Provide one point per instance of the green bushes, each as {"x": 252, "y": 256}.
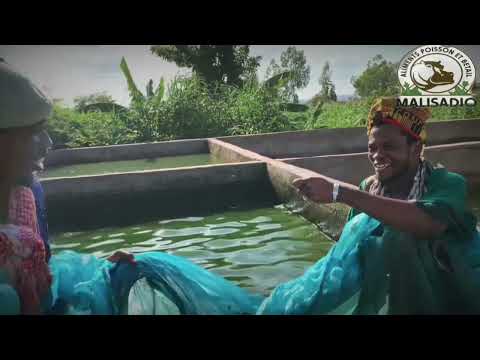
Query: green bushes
{"x": 338, "y": 115}
{"x": 190, "y": 109}
{"x": 457, "y": 113}
{"x": 354, "y": 113}
{"x": 74, "y": 129}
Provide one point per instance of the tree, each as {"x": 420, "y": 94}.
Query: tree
{"x": 332, "y": 95}
{"x": 327, "y": 87}
{"x": 294, "y": 61}
{"x": 379, "y": 79}
{"x": 228, "y": 64}
{"x": 275, "y": 86}
{"x": 81, "y": 103}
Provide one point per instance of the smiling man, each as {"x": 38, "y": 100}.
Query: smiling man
{"x": 420, "y": 253}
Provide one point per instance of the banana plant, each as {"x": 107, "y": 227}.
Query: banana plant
{"x": 275, "y": 83}
{"x": 150, "y": 92}
{"x": 137, "y": 95}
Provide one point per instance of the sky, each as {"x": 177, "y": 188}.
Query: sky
{"x": 67, "y": 71}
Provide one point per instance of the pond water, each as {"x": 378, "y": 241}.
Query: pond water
{"x": 129, "y": 165}
{"x": 256, "y": 249}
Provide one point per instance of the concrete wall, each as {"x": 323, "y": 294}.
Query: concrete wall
{"x": 104, "y": 200}
{"x": 335, "y": 166}
{"x": 303, "y": 143}
{"x": 353, "y": 168}
{"x": 231, "y": 153}
{"x": 345, "y": 141}
{"x": 330, "y": 218}
{"x": 126, "y": 152}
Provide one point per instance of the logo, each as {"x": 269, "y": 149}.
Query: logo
{"x": 435, "y": 75}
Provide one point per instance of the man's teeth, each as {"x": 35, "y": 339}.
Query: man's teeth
{"x": 382, "y": 166}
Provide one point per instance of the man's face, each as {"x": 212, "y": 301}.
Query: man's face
{"x": 390, "y": 154}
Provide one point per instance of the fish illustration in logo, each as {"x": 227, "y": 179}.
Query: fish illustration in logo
{"x": 427, "y": 75}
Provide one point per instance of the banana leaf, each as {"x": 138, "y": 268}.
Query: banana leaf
{"x": 135, "y": 94}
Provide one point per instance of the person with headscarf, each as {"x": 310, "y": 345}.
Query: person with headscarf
{"x": 24, "y": 274}
{"x": 26, "y": 282}
{"x": 73, "y": 283}
{"x": 412, "y": 239}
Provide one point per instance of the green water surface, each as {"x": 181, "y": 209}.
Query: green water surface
{"x": 256, "y": 249}
{"x": 129, "y": 165}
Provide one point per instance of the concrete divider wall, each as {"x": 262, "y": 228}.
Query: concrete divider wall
{"x": 303, "y": 143}
{"x": 334, "y": 166}
{"x": 459, "y": 158}
{"x": 345, "y": 141}
{"x": 126, "y": 152}
{"x": 156, "y": 180}
{"x": 226, "y": 152}
{"x": 329, "y": 218}
{"x": 127, "y": 198}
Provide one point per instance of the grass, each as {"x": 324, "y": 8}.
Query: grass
{"x": 354, "y": 114}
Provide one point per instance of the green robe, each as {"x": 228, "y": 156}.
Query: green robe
{"x": 426, "y": 276}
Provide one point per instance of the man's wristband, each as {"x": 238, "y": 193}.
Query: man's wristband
{"x": 336, "y": 188}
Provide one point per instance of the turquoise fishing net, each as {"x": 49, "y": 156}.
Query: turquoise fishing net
{"x": 161, "y": 283}
{"x": 371, "y": 270}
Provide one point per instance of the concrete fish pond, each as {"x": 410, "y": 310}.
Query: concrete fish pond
{"x": 233, "y": 208}
{"x": 257, "y": 249}
{"x": 112, "y": 167}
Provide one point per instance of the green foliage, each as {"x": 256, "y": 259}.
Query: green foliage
{"x": 150, "y": 89}
{"x": 82, "y": 103}
{"x": 189, "y": 108}
{"x": 160, "y": 90}
{"x": 354, "y": 114}
{"x": 254, "y": 110}
{"x": 335, "y": 115}
{"x": 327, "y": 92}
{"x": 227, "y": 64}
{"x": 194, "y": 109}
{"x": 72, "y": 128}
{"x": 410, "y": 90}
{"x": 461, "y": 90}
{"x": 104, "y": 107}
{"x": 457, "y": 113}
{"x": 379, "y": 79}
{"x": 135, "y": 94}
{"x": 292, "y": 107}
{"x": 277, "y": 81}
